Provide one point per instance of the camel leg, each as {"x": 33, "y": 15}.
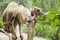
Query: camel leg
{"x": 21, "y": 33}
{"x": 14, "y": 37}
{"x": 20, "y": 30}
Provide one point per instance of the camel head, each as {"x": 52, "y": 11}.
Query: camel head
{"x": 37, "y": 11}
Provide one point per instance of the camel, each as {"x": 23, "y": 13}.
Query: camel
{"x": 15, "y": 15}
{"x": 31, "y": 24}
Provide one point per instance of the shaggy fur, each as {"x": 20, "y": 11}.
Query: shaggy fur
{"x": 31, "y": 24}
{"x": 20, "y": 14}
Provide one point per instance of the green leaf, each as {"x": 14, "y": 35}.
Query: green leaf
{"x": 55, "y": 22}
{"x": 58, "y": 12}
{"x": 48, "y": 16}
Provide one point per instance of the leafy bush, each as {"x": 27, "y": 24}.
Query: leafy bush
{"x": 45, "y": 30}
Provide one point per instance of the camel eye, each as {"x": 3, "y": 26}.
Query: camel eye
{"x": 32, "y": 13}
{"x": 38, "y": 10}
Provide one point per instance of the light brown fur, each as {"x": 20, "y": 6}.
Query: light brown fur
{"x": 31, "y": 24}
{"x": 21, "y": 15}
{"x": 12, "y": 10}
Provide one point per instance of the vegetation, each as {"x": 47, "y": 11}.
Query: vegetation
{"x": 1, "y": 23}
{"x": 48, "y": 25}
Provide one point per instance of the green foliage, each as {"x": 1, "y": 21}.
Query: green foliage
{"x": 1, "y": 23}
{"x": 45, "y": 30}
{"x": 24, "y": 28}
{"x": 26, "y": 3}
{"x": 54, "y": 16}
